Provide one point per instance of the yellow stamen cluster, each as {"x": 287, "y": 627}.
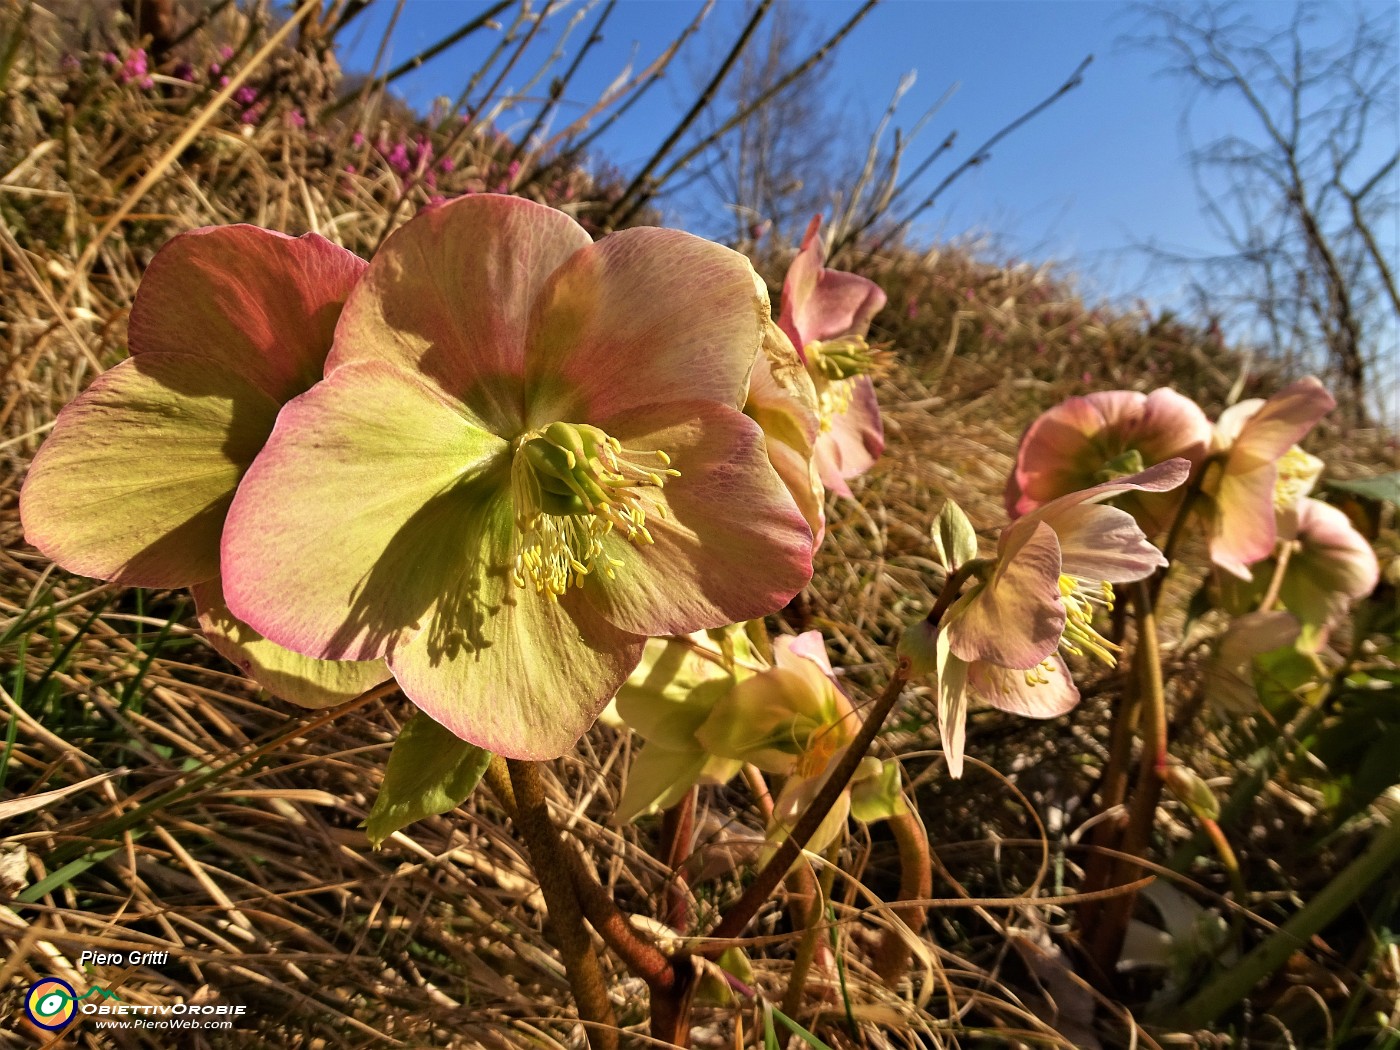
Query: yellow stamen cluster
{"x": 834, "y": 365}
{"x": 834, "y": 399}
{"x": 845, "y": 358}
{"x": 1040, "y": 673}
{"x": 572, "y": 485}
{"x": 1297, "y": 474}
{"x": 1080, "y": 637}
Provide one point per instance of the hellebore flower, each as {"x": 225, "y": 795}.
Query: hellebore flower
{"x": 793, "y": 720}
{"x": 1262, "y": 471}
{"x": 1100, "y": 437}
{"x": 1054, "y": 568}
{"x": 665, "y": 701}
{"x": 708, "y": 704}
{"x": 1329, "y": 566}
{"x": 526, "y": 457}
{"x": 826, "y": 314}
{"x": 134, "y": 481}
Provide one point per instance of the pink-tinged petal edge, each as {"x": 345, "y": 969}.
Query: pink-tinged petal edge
{"x": 820, "y": 304}
{"x": 644, "y": 316}
{"x": 259, "y": 303}
{"x": 854, "y": 442}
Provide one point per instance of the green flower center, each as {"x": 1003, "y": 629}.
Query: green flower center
{"x": 1120, "y": 466}
{"x": 1081, "y": 598}
{"x": 571, "y": 485}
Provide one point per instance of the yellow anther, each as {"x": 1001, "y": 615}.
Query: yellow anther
{"x": 1080, "y": 635}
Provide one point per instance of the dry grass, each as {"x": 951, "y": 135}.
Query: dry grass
{"x": 226, "y": 828}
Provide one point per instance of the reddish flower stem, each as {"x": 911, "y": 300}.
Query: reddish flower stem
{"x": 565, "y": 923}
{"x": 1106, "y": 938}
{"x": 761, "y": 889}
{"x": 677, "y": 838}
{"x": 915, "y": 883}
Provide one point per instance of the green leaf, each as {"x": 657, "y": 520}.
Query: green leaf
{"x": 431, "y": 770}
{"x": 954, "y": 538}
{"x": 1383, "y": 487}
{"x": 797, "y": 1030}
{"x": 1281, "y": 675}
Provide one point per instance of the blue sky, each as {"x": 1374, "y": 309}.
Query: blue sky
{"x": 1100, "y": 172}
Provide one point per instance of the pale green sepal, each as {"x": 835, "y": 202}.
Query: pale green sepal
{"x": 952, "y": 703}
{"x": 670, "y": 694}
{"x": 877, "y": 794}
{"x": 430, "y": 771}
{"x": 659, "y": 777}
{"x": 954, "y": 538}
{"x": 304, "y": 680}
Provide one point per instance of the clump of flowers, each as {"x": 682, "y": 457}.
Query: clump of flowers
{"x": 532, "y": 450}
{"x": 1054, "y": 569}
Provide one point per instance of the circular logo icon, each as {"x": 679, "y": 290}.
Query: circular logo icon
{"x": 50, "y": 1003}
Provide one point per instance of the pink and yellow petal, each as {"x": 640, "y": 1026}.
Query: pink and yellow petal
{"x": 1242, "y": 522}
{"x": 1046, "y": 691}
{"x": 258, "y": 303}
{"x": 352, "y": 521}
{"x": 134, "y": 481}
{"x": 301, "y": 679}
{"x": 501, "y": 666}
{"x": 644, "y": 316}
{"x": 1016, "y": 617}
{"x": 450, "y": 295}
{"x": 854, "y": 439}
{"x": 727, "y": 513}
{"x": 820, "y": 304}
{"x": 1104, "y": 543}
{"x": 1264, "y": 432}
